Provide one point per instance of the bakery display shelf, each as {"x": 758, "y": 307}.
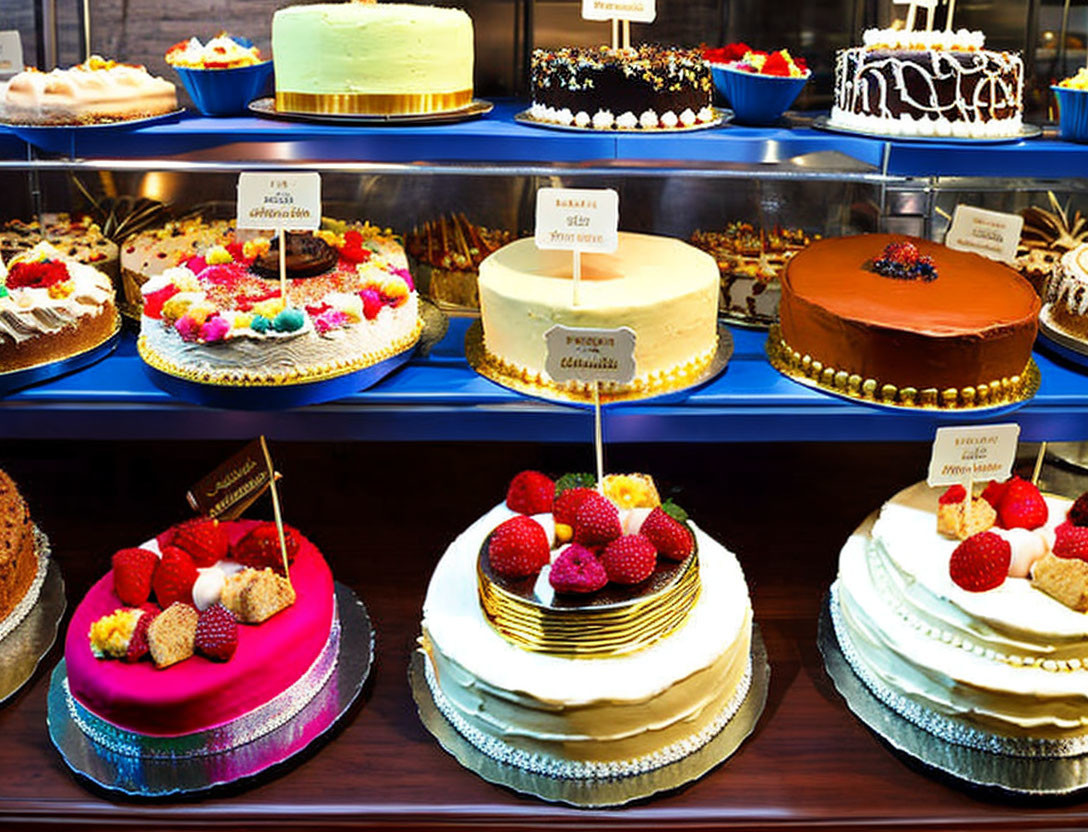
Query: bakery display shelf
{"x": 440, "y": 398}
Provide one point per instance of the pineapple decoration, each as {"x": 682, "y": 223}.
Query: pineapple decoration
{"x": 1047, "y": 235}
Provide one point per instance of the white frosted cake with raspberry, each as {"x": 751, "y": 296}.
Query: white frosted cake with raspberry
{"x": 970, "y": 621}
{"x": 586, "y": 633}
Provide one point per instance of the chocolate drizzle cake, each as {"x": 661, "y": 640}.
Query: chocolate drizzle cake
{"x": 648, "y": 87}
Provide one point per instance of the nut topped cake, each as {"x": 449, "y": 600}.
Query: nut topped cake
{"x": 18, "y": 554}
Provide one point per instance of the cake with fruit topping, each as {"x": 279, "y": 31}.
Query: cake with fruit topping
{"x": 965, "y": 614}
{"x": 199, "y": 640}
{"x": 641, "y": 88}
{"x": 73, "y": 235}
{"x": 905, "y": 321}
{"x": 587, "y": 632}
{"x": 219, "y": 317}
{"x": 52, "y": 307}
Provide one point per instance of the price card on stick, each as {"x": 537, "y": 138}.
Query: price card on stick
{"x": 280, "y": 202}
{"x": 964, "y": 454}
{"x": 640, "y": 11}
{"x": 577, "y": 220}
{"x": 11, "y": 52}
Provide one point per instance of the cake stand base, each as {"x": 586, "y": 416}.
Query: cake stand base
{"x": 22, "y": 650}
{"x": 16, "y": 379}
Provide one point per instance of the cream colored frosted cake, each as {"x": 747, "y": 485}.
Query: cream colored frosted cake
{"x": 372, "y": 58}
{"x": 976, "y": 634}
{"x": 662, "y": 288}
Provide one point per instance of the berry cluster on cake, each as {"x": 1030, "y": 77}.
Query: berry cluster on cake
{"x": 965, "y": 614}
{"x": 587, "y": 632}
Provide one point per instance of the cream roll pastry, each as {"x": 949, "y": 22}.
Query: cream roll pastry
{"x": 967, "y": 617}
{"x": 586, "y": 633}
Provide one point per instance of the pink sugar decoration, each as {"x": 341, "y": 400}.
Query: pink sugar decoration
{"x": 187, "y": 328}
{"x": 333, "y": 319}
{"x": 195, "y": 264}
{"x": 407, "y": 275}
{"x": 214, "y": 329}
{"x": 372, "y": 303}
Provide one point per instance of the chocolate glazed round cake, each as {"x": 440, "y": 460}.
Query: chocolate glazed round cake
{"x": 907, "y": 321}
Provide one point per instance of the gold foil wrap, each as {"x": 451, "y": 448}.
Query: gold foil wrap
{"x": 590, "y": 632}
{"x": 377, "y": 104}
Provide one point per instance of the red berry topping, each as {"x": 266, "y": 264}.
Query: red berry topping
{"x": 261, "y": 547}
{"x": 1078, "y": 512}
{"x": 37, "y": 275}
{"x": 629, "y": 559}
{"x": 137, "y": 645}
{"x": 596, "y": 521}
{"x": 530, "y": 492}
{"x": 216, "y": 633}
{"x": 566, "y": 504}
{"x": 953, "y": 495}
{"x": 353, "y": 249}
{"x": 204, "y": 539}
{"x": 981, "y": 562}
{"x": 577, "y": 570}
{"x": 670, "y": 537}
{"x": 1021, "y": 506}
{"x": 1071, "y": 541}
{"x": 174, "y": 577}
{"x": 776, "y": 64}
{"x": 727, "y": 54}
{"x": 132, "y": 571}
{"x": 518, "y": 548}
{"x": 153, "y": 301}
{"x": 993, "y": 492}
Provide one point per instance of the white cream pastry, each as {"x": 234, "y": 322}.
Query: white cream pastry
{"x": 662, "y": 288}
{"x": 1067, "y": 293}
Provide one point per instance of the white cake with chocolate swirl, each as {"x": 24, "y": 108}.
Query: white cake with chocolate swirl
{"x": 1067, "y": 294}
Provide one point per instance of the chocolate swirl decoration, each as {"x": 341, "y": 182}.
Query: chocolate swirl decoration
{"x": 307, "y": 256}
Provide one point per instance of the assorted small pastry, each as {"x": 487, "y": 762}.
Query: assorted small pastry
{"x": 445, "y": 255}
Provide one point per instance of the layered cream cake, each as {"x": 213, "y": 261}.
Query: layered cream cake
{"x": 662, "y": 288}
{"x": 375, "y": 58}
{"x": 585, "y": 691}
{"x": 96, "y": 91}
{"x": 913, "y": 83}
{"x": 1067, "y": 293}
{"x": 976, "y": 639}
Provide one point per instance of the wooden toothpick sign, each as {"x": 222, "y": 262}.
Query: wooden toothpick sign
{"x": 963, "y": 455}
{"x": 621, "y": 13}
{"x": 577, "y": 220}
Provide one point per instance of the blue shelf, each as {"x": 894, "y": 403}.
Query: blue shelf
{"x": 439, "y": 398}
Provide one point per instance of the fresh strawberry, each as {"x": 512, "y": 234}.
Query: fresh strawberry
{"x": 518, "y": 548}
{"x": 577, "y": 570}
{"x": 216, "y": 633}
{"x": 203, "y": 538}
{"x": 1071, "y": 541}
{"x": 993, "y": 492}
{"x": 530, "y": 492}
{"x": 955, "y": 494}
{"x": 1078, "y": 512}
{"x": 596, "y": 521}
{"x": 1021, "y": 506}
{"x": 137, "y": 645}
{"x": 174, "y": 577}
{"x": 981, "y": 562}
{"x": 261, "y": 547}
{"x": 671, "y": 539}
{"x": 629, "y": 559}
{"x": 132, "y": 571}
{"x": 566, "y": 504}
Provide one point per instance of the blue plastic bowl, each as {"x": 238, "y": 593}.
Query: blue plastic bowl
{"x": 225, "y": 92}
{"x": 754, "y": 98}
{"x": 1072, "y": 113}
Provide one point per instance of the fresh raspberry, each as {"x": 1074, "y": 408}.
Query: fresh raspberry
{"x": 132, "y": 571}
{"x": 629, "y": 559}
{"x": 204, "y": 539}
{"x": 596, "y": 521}
{"x": 993, "y": 492}
{"x": 137, "y": 645}
{"x": 530, "y": 492}
{"x": 518, "y": 548}
{"x": 1071, "y": 541}
{"x": 261, "y": 547}
{"x": 776, "y": 64}
{"x": 1078, "y": 512}
{"x": 902, "y": 252}
{"x": 372, "y": 303}
{"x": 671, "y": 539}
{"x": 577, "y": 570}
{"x": 953, "y": 495}
{"x": 566, "y": 504}
{"x": 174, "y": 577}
{"x": 981, "y": 562}
{"x": 1021, "y": 506}
{"x": 216, "y": 633}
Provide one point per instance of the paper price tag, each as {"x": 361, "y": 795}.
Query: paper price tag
{"x": 578, "y": 219}
{"x": 584, "y": 354}
{"x": 279, "y": 200}
{"x": 973, "y": 453}
{"x": 989, "y": 233}
{"x": 639, "y": 11}
{"x": 11, "y": 52}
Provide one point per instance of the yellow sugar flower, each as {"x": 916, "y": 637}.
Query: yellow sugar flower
{"x": 111, "y": 634}
{"x": 252, "y": 249}
{"x": 268, "y": 308}
{"x": 176, "y": 307}
{"x": 242, "y": 320}
{"x": 59, "y": 291}
{"x": 631, "y": 491}
{"x": 217, "y": 256}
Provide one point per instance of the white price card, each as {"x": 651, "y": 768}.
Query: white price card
{"x": 989, "y": 233}
{"x": 279, "y": 200}
{"x": 639, "y": 11}
{"x": 588, "y": 355}
{"x": 11, "y": 52}
{"x": 982, "y": 452}
{"x": 578, "y": 219}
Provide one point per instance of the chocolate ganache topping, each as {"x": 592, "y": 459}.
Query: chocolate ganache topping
{"x": 307, "y": 256}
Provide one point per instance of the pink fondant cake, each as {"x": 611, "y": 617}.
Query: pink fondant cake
{"x": 199, "y": 693}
